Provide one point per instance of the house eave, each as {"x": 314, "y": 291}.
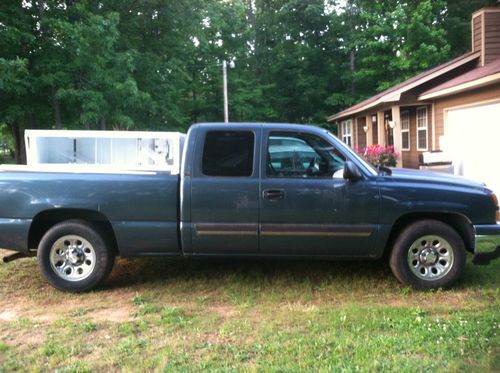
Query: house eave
{"x": 381, "y": 101}
{"x": 395, "y": 96}
{"x": 464, "y": 87}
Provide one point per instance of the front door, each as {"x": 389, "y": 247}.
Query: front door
{"x": 307, "y": 208}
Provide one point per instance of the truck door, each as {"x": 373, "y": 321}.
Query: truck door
{"x": 225, "y": 191}
{"x": 307, "y": 208}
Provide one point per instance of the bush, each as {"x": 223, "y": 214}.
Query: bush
{"x": 378, "y": 155}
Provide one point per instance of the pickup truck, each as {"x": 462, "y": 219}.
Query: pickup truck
{"x": 249, "y": 190}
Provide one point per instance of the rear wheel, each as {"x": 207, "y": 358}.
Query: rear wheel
{"x": 428, "y": 254}
{"x": 74, "y": 256}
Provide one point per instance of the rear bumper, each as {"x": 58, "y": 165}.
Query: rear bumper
{"x": 487, "y": 247}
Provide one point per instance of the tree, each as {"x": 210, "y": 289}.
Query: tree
{"x": 156, "y": 64}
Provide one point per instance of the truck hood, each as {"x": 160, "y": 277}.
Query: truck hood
{"x": 407, "y": 175}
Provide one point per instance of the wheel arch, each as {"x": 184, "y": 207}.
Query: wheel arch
{"x": 460, "y": 223}
{"x": 46, "y": 219}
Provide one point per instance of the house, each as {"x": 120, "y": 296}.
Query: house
{"x": 454, "y": 108}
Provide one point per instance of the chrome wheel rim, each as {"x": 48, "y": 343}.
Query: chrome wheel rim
{"x": 72, "y": 258}
{"x": 430, "y": 258}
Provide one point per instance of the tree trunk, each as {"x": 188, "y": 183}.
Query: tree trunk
{"x": 17, "y": 130}
{"x": 103, "y": 123}
{"x": 56, "y": 104}
{"x": 353, "y": 70}
{"x": 195, "y": 104}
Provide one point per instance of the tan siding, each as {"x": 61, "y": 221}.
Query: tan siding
{"x": 464, "y": 99}
{"x": 361, "y": 138}
{"x": 476, "y": 33}
{"x": 491, "y": 36}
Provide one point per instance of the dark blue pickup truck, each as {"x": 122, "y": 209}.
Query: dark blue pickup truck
{"x": 247, "y": 190}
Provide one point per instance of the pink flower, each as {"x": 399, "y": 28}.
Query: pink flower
{"x": 379, "y": 155}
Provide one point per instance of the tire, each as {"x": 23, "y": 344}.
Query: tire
{"x": 74, "y": 256}
{"x": 428, "y": 254}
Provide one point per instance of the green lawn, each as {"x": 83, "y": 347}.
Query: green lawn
{"x": 258, "y": 315}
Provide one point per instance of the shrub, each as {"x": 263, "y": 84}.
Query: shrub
{"x": 379, "y": 155}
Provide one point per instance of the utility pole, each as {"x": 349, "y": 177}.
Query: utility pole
{"x": 224, "y": 83}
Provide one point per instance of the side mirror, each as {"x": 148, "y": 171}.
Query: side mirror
{"x": 351, "y": 172}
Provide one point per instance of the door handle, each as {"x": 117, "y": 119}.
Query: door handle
{"x": 274, "y": 194}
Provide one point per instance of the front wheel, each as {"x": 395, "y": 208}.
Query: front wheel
{"x": 428, "y": 254}
{"x": 73, "y": 256}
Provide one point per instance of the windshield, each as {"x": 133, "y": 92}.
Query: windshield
{"x": 369, "y": 167}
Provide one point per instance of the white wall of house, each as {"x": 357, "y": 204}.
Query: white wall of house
{"x": 472, "y": 139}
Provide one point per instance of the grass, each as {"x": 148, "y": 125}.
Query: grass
{"x": 250, "y": 316}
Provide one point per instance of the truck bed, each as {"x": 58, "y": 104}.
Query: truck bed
{"x": 141, "y": 206}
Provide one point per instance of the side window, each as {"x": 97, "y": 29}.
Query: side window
{"x": 302, "y": 155}
{"x": 228, "y": 153}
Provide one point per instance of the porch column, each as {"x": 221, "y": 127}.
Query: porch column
{"x": 369, "y": 133}
{"x": 396, "y": 117}
{"x": 381, "y": 128}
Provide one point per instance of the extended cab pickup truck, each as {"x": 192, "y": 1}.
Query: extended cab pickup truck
{"x": 246, "y": 190}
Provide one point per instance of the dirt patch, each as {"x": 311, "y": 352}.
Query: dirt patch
{"x": 114, "y": 307}
{"x": 223, "y": 311}
{"x": 34, "y": 337}
{"x": 9, "y": 315}
{"x": 120, "y": 314}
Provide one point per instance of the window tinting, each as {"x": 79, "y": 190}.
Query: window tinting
{"x": 228, "y": 153}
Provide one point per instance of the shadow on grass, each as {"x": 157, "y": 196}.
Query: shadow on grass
{"x": 259, "y": 273}
{"x": 192, "y": 277}
{"x": 250, "y": 272}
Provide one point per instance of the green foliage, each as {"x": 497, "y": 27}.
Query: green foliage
{"x": 50, "y": 348}
{"x": 88, "y": 326}
{"x": 157, "y": 64}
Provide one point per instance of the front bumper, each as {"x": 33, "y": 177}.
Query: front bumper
{"x": 487, "y": 247}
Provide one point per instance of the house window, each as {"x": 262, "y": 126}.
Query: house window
{"x": 347, "y": 132}
{"x": 405, "y": 130}
{"x": 422, "y": 128}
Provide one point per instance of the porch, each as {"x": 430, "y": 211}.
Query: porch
{"x": 409, "y": 128}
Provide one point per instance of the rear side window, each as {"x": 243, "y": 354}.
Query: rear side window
{"x": 228, "y": 153}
